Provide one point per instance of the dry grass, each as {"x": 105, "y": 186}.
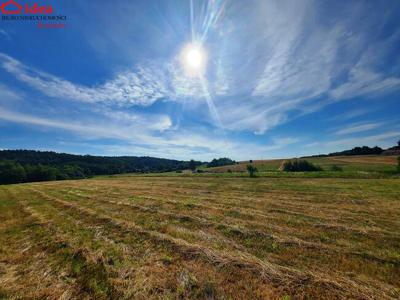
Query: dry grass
{"x": 356, "y": 162}
{"x": 367, "y": 159}
{"x": 201, "y": 238}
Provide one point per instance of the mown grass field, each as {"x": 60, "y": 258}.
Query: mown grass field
{"x": 353, "y": 166}
{"x": 201, "y": 237}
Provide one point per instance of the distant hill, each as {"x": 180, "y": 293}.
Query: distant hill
{"x": 28, "y": 165}
{"x": 351, "y": 163}
{"x": 392, "y": 151}
{"x": 364, "y": 150}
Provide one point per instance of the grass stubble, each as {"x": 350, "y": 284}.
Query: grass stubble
{"x": 199, "y": 237}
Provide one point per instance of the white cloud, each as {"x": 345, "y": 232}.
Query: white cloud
{"x": 306, "y": 64}
{"x": 143, "y": 87}
{"x": 162, "y": 123}
{"x": 148, "y": 122}
{"x": 287, "y": 61}
{"x": 355, "y": 128}
{"x": 365, "y": 82}
{"x": 6, "y": 94}
{"x": 347, "y": 115}
{"x": 181, "y": 144}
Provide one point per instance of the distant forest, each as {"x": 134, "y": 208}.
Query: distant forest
{"x": 18, "y": 166}
{"x": 365, "y": 150}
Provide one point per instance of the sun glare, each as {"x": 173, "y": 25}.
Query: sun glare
{"x": 193, "y": 59}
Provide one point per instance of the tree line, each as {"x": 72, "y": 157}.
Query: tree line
{"x": 28, "y": 166}
{"x": 364, "y": 150}
{"x": 224, "y": 161}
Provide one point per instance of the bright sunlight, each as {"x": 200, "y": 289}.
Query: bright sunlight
{"x": 193, "y": 59}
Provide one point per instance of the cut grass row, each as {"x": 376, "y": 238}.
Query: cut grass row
{"x": 146, "y": 264}
{"x": 257, "y": 242}
{"x": 264, "y": 270}
{"x": 147, "y": 237}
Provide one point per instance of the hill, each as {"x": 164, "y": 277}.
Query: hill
{"x": 364, "y": 150}
{"x": 27, "y": 165}
{"x": 354, "y": 163}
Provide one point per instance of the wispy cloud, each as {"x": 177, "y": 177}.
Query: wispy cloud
{"x": 365, "y": 82}
{"x": 174, "y": 144}
{"x": 347, "y": 115}
{"x": 143, "y": 87}
{"x": 146, "y": 121}
{"x": 355, "y": 128}
{"x": 269, "y": 63}
{"x": 5, "y": 33}
{"x": 305, "y": 64}
{"x": 7, "y": 94}
{"x": 288, "y": 69}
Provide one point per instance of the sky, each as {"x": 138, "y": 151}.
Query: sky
{"x": 279, "y": 78}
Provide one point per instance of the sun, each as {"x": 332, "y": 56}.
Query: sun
{"x": 194, "y": 59}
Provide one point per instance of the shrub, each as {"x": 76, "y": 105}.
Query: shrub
{"x": 336, "y": 168}
{"x": 298, "y": 165}
{"x": 251, "y": 170}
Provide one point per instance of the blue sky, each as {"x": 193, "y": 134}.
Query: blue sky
{"x": 281, "y": 79}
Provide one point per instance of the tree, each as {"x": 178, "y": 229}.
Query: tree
{"x": 41, "y": 173}
{"x": 364, "y": 150}
{"x": 11, "y": 172}
{"x": 42, "y": 166}
{"x": 92, "y": 165}
{"x": 192, "y": 165}
{"x": 251, "y": 170}
{"x": 224, "y": 161}
{"x": 398, "y": 143}
{"x": 73, "y": 171}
